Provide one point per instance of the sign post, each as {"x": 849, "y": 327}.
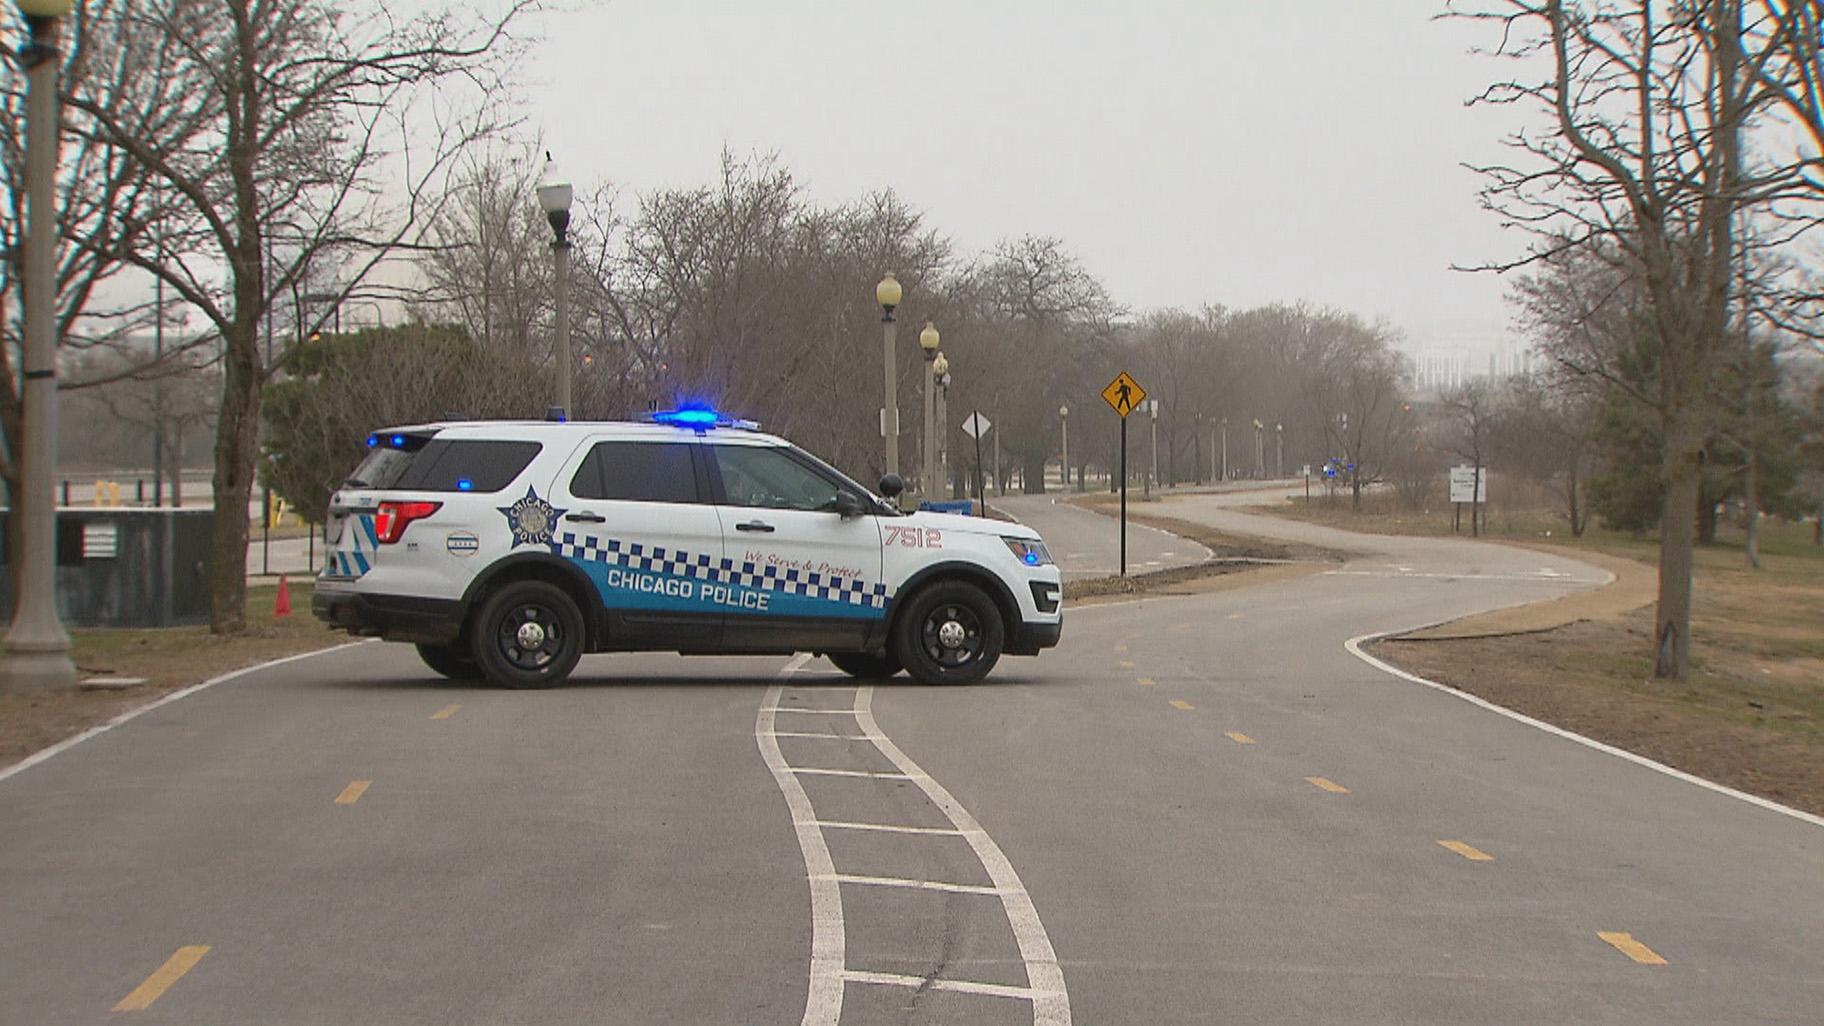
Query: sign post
{"x": 1124, "y": 395}
{"x": 1468, "y": 484}
{"x": 977, "y": 426}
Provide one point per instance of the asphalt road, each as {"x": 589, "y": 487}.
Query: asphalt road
{"x": 1085, "y": 544}
{"x": 1198, "y": 809}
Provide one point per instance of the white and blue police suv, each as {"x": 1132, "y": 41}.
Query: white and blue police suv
{"x": 507, "y": 550}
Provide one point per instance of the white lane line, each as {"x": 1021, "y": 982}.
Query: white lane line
{"x": 68, "y": 743}
{"x": 916, "y": 885}
{"x": 776, "y": 708}
{"x": 1354, "y": 645}
{"x": 955, "y": 986}
{"x": 868, "y": 774}
{"x": 837, "y": 824}
{"x": 1051, "y": 1003}
{"x": 825, "y": 737}
{"x": 823, "y": 1000}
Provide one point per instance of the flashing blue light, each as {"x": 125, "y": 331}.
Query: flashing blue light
{"x": 688, "y": 417}
{"x": 1031, "y": 557}
{"x": 373, "y": 440}
{"x": 398, "y": 441}
{"x": 463, "y": 484}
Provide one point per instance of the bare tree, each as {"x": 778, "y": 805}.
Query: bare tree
{"x": 327, "y": 136}
{"x": 1645, "y": 159}
{"x": 1472, "y": 411}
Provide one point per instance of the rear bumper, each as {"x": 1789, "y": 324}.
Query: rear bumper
{"x": 393, "y": 617}
{"x": 1030, "y": 638}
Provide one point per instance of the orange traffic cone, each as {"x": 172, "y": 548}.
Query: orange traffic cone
{"x": 281, "y": 606}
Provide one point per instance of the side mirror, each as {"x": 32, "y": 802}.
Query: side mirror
{"x": 848, "y": 505}
{"x": 891, "y": 485}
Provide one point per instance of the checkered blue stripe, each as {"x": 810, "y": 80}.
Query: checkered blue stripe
{"x": 697, "y": 566}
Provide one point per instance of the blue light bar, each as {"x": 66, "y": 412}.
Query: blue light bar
{"x": 398, "y": 441}
{"x": 464, "y": 484}
{"x": 373, "y": 440}
{"x": 688, "y": 418}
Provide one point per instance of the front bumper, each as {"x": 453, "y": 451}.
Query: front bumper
{"x": 426, "y": 621}
{"x": 1030, "y": 638}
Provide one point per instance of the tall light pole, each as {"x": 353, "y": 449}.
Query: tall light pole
{"x": 1260, "y": 450}
{"x": 940, "y": 369}
{"x": 1152, "y": 407}
{"x": 554, "y": 196}
{"x": 927, "y": 344}
{"x": 1225, "y": 448}
{"x": 1064, "y": 425}
{"x": 1279, "y": 449}
{"x": 37, "y": 647}
{"x": 888, "y": 294}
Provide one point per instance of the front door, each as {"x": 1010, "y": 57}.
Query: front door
{"x": 633, "y": 516}
{"x": 807, "y": 578}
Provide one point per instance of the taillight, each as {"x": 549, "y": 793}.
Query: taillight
{"x": 392, "y": 518}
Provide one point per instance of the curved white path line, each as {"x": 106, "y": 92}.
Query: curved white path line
{"x": 140, "y": 710}
{"x": 823, "y": 1003}
{"x": 1050, "y": 1001}
{"x": 1354, "y": 645}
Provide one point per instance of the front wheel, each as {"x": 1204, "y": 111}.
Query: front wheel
{"x": 450, "y": 661}
{"x": 951, "y": 634}
{"x": 529, "y": 634}
{"x": 865, "y": 665}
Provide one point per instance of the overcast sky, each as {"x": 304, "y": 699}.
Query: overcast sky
{"x": 1230, "y": 151}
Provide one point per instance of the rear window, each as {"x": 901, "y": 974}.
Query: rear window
{"x": 446, "y": 466}
{"x": 637, "y": 472}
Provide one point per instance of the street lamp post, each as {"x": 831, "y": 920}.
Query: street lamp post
{"x": 1279, "y": 449}
{"x": 1260, "y": 450}
{"x": 1064, "y": 425}
{"x": 554, "y": 197}
{"x": 940, "y": 368}
{"x": 927, "y": 344}
{"x": 888, "y": 294}
{"x": 1225, "y": 448}
{"x": 37, "y": 647}
{"x": 1152, "y": 407}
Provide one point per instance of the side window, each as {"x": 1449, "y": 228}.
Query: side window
{"x": 769, "y": 479}
{"x": 637, "y": 472}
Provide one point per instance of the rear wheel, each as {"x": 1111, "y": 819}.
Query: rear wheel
{"x": 451, "y": 661}
{"x": 951, "y": 634}
{"x": 529, "y": 634}
{"x": 865, "y": 665}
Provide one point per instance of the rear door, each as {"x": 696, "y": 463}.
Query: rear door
{"x": 633, "y": 517}
{"x": 802, "y": 576}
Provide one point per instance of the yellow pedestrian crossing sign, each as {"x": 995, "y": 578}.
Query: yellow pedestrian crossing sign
{"x": 1124, "y": 394}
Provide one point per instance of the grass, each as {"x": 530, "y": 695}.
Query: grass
{"x": 169, "y": 658}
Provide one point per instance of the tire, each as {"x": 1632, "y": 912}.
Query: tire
{"x": 866, "y": 665}
{"x": 950, "y": 634}
{"x": 512, "y": 656}
{"x": 451, "y": 661}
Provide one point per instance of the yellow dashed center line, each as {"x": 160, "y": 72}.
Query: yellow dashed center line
{"x": 162, "y": 978}
{"x": 1238, "y": 737}
{"x": 1146, "y": 682}
{"x": 1179, "y": 703}
{"x": 353, "y": 792}
{"x": 445, "y": 713}
{"x": 1627, "y": 945}
{"x": 1325, "y": 783}
{"x": 1469, "y": 852}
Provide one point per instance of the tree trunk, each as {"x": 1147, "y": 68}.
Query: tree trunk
{"x": 1706, "y": 517}
{"x": 1751, "y": 509}
{"x": 236, "y": 449}
{"x": 1032, "y": 475}
{"x": 1677, "y": 530}
{"x": 175, "y": 457}
{"x": 1576, "y": 524}
{"x": 1355, "y": 495}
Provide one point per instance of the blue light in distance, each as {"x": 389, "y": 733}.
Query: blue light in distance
{"x": 373, "y": 440}
{"x": 398, "y": 441}
{"x": 463, "y": 484}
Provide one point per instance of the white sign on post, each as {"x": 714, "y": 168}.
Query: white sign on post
{"x": 1468, "y": 484}
{"x": 977, "y": 425}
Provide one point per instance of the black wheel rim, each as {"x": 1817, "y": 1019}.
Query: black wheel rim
{"x": 951, "y": 635}
{"x": 531, "y": 637}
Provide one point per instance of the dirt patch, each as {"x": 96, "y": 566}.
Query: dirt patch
{"x": 1636, "y": 584}
{"x": 169, "y": 659}
{"x": 1222, "y": 544}
{"x": 1757, "y": 732}
{"x": 1185, "y": 580}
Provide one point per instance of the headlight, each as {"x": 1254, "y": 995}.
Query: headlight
{"x": 1031, "y": 553}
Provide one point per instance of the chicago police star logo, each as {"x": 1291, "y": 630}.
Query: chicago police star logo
{"x": 532, "y": 520}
